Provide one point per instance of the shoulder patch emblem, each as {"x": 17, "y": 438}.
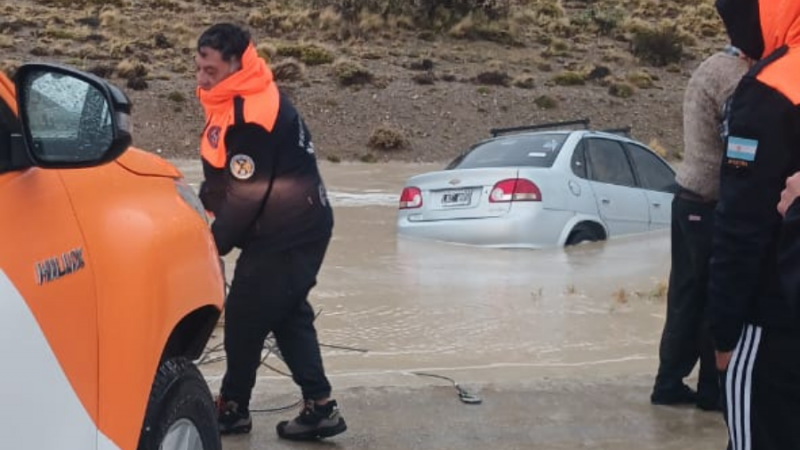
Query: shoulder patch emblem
{"x": 213, "y": 136}
{"x": 741, "y": 151}
{"x": 242, "y": 167}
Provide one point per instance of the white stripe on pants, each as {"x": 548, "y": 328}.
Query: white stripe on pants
{"x": 738, "y": 388}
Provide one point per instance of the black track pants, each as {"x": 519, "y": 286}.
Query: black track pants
{"x": 269, "y": 293}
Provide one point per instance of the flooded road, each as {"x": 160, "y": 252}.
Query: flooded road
{"x": 389, "y": 308}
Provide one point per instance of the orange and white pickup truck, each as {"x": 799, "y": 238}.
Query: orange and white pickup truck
{"x": 110, "y": 283}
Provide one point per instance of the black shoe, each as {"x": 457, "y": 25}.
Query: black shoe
{"x": 709, "y": 402}
{"x": 232, "y": 419}
{"x": 683, "y": 395}
{"x": 314, "y": 422}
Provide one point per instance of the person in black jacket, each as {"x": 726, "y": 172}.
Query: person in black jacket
{"x": 263, "y": 187}
{"x": 753, "y": 273}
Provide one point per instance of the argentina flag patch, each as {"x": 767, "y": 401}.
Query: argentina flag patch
{"x": 741, "y": 152}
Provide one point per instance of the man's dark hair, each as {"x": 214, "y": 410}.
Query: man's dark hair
{"x": 228, "y": 39}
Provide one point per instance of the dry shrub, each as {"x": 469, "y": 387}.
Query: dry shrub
{"x": 525, "y": 82}
{"x": 387, "y": 138}
{"x": 351, "y": 73}
{"x": 570, "y": 78}
{"x": 476, "y": 26}
{"x": 129, "y": 69}
{"x": 641, "y": 79}
{"x": 424, "y": 78}
{"x": 9, "y": 67}
{"x": 621, "y": 90}
{"x": 658, "y": 46}
{"x": 310, "y": 54}
{"x": 266, "y": 51}
{"x": 330, "y": 19}
{"x": 493, "y": 78}
{"x": 289, "y": 70}
{"x": 546, "y": 102}
{"x": 176, "y": 97}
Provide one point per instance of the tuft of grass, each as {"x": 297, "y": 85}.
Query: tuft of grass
{"x": 257, "y": 19}
{"x": 525, "y": 82}
{"x": 6, "y": 41}
{"x": 570, "y": 78}
{"x": 330, "y": 19}
{"x": 101, "y": 70}
{"x": 424, "y": 78}
{"x": 129, "y": 69}
{"x": 267, "y": 51}
{"x": 368, "y": 158}
{"x": 176, "y": 97}
{"x": 423, "y": 65}
{"x": 546, "y": 102}
{"x": 9, "y": 67}
{"x": 641, "y": 79}
{"x": 137, "y": 84}
{"x": 621, "y": 90}
{"x": 351, "y": 73}
{"x": 309, "y": 54}
{"x": 493, "y": 78}
{"x": 386, "y": 138}
{"x": 477, "y": 26}
{"x": 370, "y": 23}
{"x": 289, "y": 70}
{"x": 334, "y": 159}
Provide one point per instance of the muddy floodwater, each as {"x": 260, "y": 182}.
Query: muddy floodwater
{"x": 391, "y": 307}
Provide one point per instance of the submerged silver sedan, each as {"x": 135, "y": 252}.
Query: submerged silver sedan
{"x": 534, "y": 189}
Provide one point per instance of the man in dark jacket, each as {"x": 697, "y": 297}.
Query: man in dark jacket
{"x": 265, "y": 191}
{"x": 753, "y": 282}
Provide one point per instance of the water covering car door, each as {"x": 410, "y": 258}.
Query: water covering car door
{"x": 622, "y": 205}
{"x": 658, "y": 181}
{"x": 48, "y": 317}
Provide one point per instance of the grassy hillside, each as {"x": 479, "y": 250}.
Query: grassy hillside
{"x": 386, "y": 79}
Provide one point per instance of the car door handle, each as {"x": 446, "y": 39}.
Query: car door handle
{"x": 657, "y": 204}
{"x": 605, "y": 201}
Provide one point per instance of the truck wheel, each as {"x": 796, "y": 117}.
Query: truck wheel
{"x": 180, "y": 414}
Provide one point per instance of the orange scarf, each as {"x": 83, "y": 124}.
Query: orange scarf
{"x": 253, "y": 82}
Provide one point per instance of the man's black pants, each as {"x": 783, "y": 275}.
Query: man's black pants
{"x": 762, "y": 391}
{"x": 686, "y": 335}
{"x": 269, "y": 293}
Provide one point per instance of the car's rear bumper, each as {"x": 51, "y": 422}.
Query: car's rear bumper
{"x": 524, "y": 226}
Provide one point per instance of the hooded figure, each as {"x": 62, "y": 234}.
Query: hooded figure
{"x": 754, "y": 277}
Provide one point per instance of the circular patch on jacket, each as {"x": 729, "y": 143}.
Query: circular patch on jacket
{"x": 242, "y": 167}
{"x": 213, "y": 136}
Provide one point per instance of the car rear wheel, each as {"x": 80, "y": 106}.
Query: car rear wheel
{"x": 582, "y": 234}
{"x": 181, "y": 414}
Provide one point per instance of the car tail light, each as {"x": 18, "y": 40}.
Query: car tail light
{"x": 411, "y": 198}
{"x": 515, "y": 190}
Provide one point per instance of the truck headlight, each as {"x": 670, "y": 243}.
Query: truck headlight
{"x": 190, "y": 197}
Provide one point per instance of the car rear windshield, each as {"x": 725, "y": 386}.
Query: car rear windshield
{"x": 538, "y": 150}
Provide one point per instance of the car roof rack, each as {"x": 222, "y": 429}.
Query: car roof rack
{"x": 498, "y": 131}
{"x": 624, "y": 131}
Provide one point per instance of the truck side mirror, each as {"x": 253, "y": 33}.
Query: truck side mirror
{"x": 71, "y": 118}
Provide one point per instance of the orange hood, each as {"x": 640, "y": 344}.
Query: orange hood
{"x": 759, "y": 27}
{"x": 254, "y": 77}
{"x": 780, "y": 24}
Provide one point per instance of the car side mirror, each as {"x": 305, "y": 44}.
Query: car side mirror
{"x": 71, "y": 118}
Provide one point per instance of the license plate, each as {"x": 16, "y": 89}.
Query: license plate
{"x": 456, "y": 198}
